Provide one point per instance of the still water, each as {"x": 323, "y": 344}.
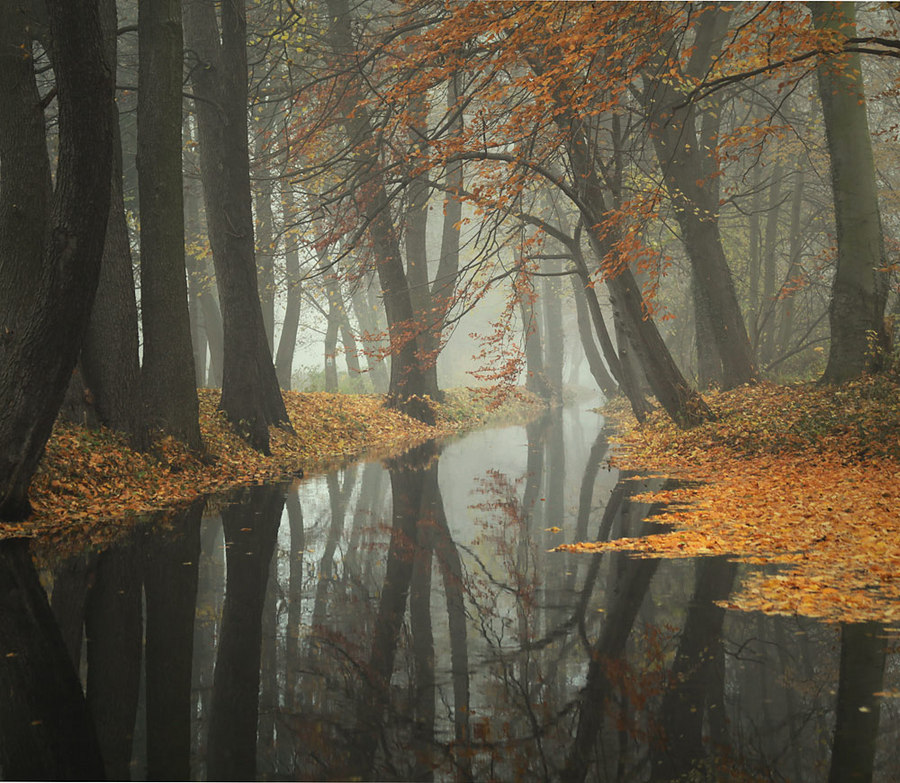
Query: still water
{"x": 405, "y": 621}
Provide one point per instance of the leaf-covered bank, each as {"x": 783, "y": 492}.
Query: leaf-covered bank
{"x": 91, "y": 476}
{"x": 804, "y": 477}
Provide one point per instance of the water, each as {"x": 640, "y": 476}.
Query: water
{"x": 407, "y": 621}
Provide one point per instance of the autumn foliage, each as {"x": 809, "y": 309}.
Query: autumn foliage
{"x": 801, "y": 481}
{"x": 91, "y": 481}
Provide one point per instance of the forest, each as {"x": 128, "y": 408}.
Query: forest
{"x": 708, "y": 189}
{"x": 248, "y": 239}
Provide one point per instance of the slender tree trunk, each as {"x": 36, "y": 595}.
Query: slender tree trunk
{"x": 786, "y": 325}
{"x": 682, "y": 403}
{"x": 554, "y": 340}
{"x": 536, "y": 379}
{"x": 265, "y": 249}
{"x": 51, "y": 248}
{"x": 768, "y": 324}
{"x": 416, "y": 231}
{"x": 251, "y": 398}
{"x": 859, "y": 291}
{"x": 170, "y": 392}
{"x": 368, "y": 323}
{"x": 287, "y": 342}
{"x": 604, "y": 381}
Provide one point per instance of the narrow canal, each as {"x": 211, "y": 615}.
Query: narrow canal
{"x": 406, "y": 620}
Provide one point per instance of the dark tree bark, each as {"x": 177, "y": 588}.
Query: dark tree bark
{"x": 110, "y": 363}
{"x": 170, "y": 392}
{"x": 786, "y": 324}
{"x": 201, "y": 276}
{"x": 251, "y": 398}
{"x": 859, "y": 290}
{"x": 50, "y": 247}
{"x": 45, "y": 731}
{"x": 416, "y": 233}
{"x": 683, "y": 404}
{"x": 535, "y": 379}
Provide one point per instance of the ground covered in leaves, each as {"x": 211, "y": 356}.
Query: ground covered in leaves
{"x": 805, "y": 478}
{"x": 90, "y": 482}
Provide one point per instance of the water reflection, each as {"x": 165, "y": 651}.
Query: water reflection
{"x": 408, "y": 621}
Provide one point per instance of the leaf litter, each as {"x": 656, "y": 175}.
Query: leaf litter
{"x": 805, "y": 478}
{"x": 91, "y": 486}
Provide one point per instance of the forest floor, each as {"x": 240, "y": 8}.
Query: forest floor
{"x": 91, "y": 485}
{"x": 802, "y": 480}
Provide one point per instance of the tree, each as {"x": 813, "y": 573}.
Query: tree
{"x": 251, "y": 398}
{"x": 110, "y": 361}
{"x": 687, "y": 160}
{"x": 51, "y": 246}
{"x": 407, "y": 383}
{"x": 859, "y": 291}
{"x": 170, "y": 391}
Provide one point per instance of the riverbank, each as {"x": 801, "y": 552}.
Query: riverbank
{"x": 88, "y": 477}
{"x": 803, "y": 477}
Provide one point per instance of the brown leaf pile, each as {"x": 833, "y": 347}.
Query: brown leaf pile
{"x": 803, "y": 476}
{"x": 91, "y": 482}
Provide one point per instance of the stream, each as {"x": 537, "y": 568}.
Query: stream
{"x": 405, "y": 620}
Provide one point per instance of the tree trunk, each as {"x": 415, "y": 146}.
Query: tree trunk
{"x": 768, "y": 323}
{"x": 858, "y": 294}
{"x": 368, "y": 324}
{"x": 265, "y": 249}
{"x": 682, "y": 403}
{"x": 170, "y": 392}
{"x": 554, "y": 340}
{"x": 407, "y": 382}
{"x": 251, "y": 398}
{"x": 110, "y": 362}
{"x": 51, "y": 248}
{"x": 536, "y": 379}
{"x": 287, "y": 342}
{"x": 688, "y": 169}
{"x": 604, "y": 381}
{"x": 418, "y": 194}
{"x": 786, "y": 325}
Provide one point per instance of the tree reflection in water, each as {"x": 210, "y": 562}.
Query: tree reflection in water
{"x": 430, "y": 634}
